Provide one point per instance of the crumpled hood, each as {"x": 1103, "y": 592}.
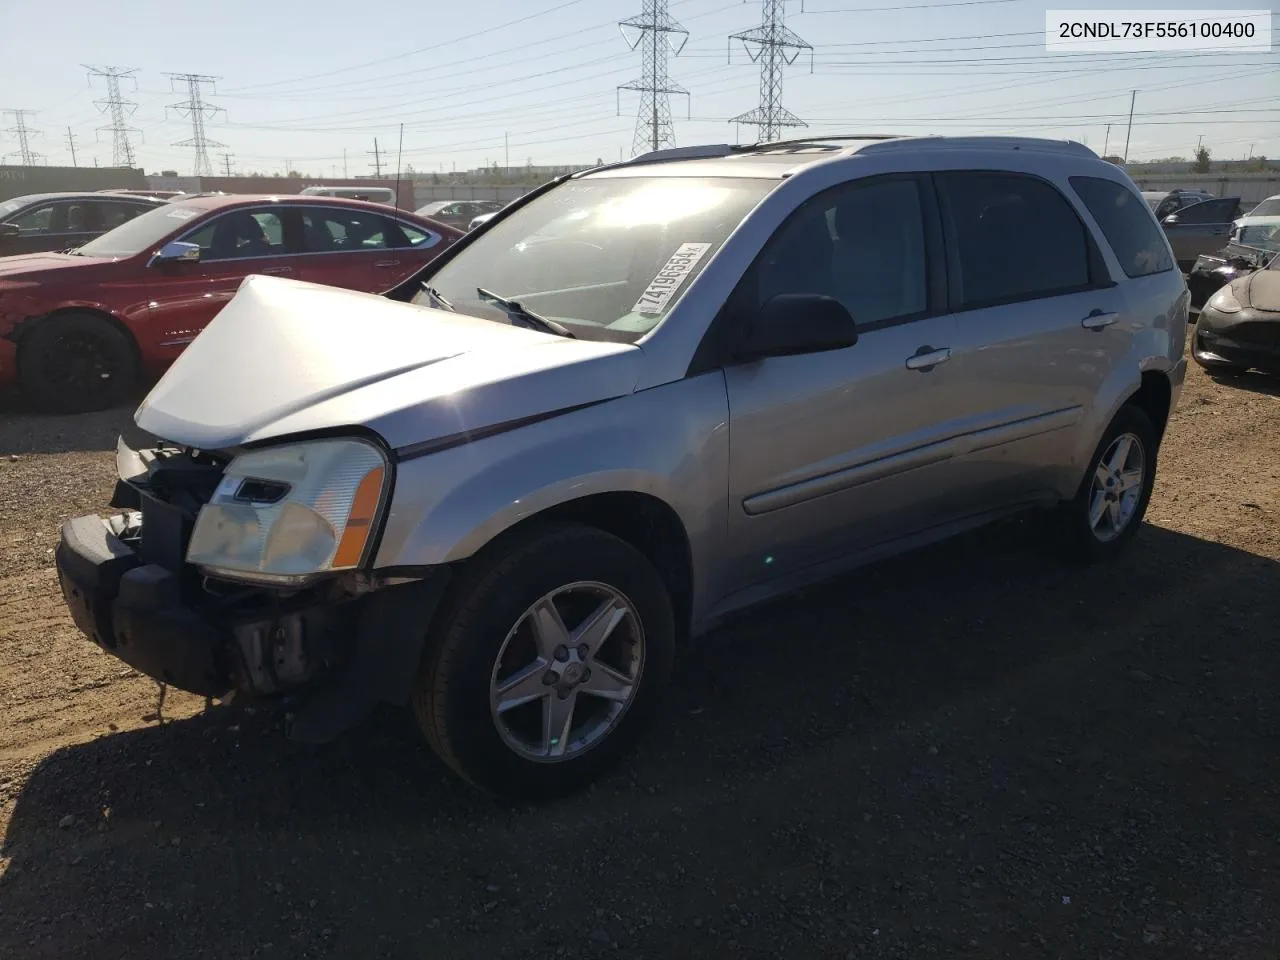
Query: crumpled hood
{"x": 284, "y": 357}
{"x": 1264, "y": 290}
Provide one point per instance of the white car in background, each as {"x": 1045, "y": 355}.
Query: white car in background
{"x": 1266, "y": 211}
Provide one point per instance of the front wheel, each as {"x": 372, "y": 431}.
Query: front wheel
{"x": 550, "y": 658}
{"x": 76, "y": 363}
{"x": 1108, "y": 508}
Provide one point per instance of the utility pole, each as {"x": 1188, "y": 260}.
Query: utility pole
{"x": 1199, "y": 141}
{"x": 344, "y": 163}
{"x": 1106, "y": 142}
{"x": 22, "y": 132}
{"x": 197, "y": 110}
{"x": 119, "y": 110}
{"x": 377, "y": 158}
{"x": 654, "y": 32}
{"x": 774, "y": 46}
{"x": 226, "y": 164}
{"x": 71, "y": 145}
{"x": 1133, "y": 96}
{"x": 506, "y": 153}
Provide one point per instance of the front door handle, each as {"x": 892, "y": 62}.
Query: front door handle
{"x": 276, "y": 270}
{"x": 1098, "y": 319}
{"x": 926, "y": 358}
{"x": 387, "y": 263}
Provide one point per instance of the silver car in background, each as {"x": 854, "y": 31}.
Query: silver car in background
{"x": 646, "y": 397}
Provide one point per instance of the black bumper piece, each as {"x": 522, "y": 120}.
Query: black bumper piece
{"x": 134, "y": 611}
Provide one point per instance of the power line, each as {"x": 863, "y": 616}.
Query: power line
{"x": 195, "y": 108}
{"x": 653, "y": 31}
{"x": 119, "y": 108}
{"x": 22, "y": 132}
{"x": 774, "y": 46}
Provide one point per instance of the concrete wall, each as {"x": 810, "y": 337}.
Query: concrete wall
{"x": 16, "y": 181}
{"x": 1251, "y": 188}
{"x": 424, "y": 193}
{"x": 275, "y": 185}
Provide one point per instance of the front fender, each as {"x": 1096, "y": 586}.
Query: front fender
{"x": 670, "y": 442}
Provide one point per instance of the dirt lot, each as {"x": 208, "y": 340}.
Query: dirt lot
{"x": 972, "y": 751}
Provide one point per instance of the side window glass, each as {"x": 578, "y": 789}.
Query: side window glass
{"x": 239, "y": 235}
{"x": 863, "y": 245}
{"x": 37, "y": 221}
{"x": 80, "y": 218}
{"x": 1017, "y": 238}
{"x": 1208, "y": 211}
{"x": 345, "y": 231}
{"x": 412, "y": 236}
{"x": 1138, "y": 243}
{"x": 112, "y": 214}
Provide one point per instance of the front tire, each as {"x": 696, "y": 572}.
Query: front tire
{"x": 550, "y": 658}
{"x": 76, "y": 363}
{"x": 1108, "y": 508}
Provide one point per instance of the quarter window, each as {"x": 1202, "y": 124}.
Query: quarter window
{"x": 863, "y": 245}
{"x": 1016, "y": 238}
{"x": 1127, "y": 224}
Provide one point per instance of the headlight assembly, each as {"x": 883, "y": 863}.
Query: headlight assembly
{"x": 1224, "y": 301}
{"x": 287, "y": 513}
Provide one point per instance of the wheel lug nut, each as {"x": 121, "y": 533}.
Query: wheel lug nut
{"x": 583, "y": 651}
{"x": 586, "y": 675}
{"x": 549, "y": 678}
{"x": 562, "y": 653}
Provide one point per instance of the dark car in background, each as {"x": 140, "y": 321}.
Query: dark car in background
{"x": 1239, "y": 326}
{"x": 1163, "y": 203}
{"x": 458, "y": 213}
{"x": 59, "y": 221}
{"x": 1200, "y": 228}
{"x": 1252, "y": 247}
{"x": 79, "y": 329}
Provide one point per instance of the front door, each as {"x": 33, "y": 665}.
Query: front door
{"x": 187, "y": 295}
{"x": 1200, "y": 228}
{"x": 838, "y": 451}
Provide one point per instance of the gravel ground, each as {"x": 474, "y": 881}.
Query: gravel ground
{"x": 970, "y": 751}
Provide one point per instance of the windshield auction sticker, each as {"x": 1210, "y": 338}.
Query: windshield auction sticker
{"x": 1137, "y": 31}
{"x": 664, "y": 286}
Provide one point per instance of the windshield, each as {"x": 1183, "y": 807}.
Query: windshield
{"x": 12, "y": 206}
{"x": 142, "y": 233}
{"x": 1267, "y": 208}
{"x": 607, "y": 257}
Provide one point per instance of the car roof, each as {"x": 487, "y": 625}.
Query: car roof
{"x": 291, "y": 199}
{"x": 782, "y": 159}
{"x": 78, "y": 195}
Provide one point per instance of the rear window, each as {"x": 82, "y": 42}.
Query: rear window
{"x": 1139, "y": 244}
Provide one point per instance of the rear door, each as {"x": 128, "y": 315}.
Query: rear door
{"x": 361, "y": 249}
{"x": 1200, "y": 228}
{"x": 233, "y": 244}
{"x": 1039, "y": 324}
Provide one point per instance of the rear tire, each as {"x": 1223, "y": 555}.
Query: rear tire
{"x": 1108, "y": 508}
{"x": 75, "y": 363}
{"x": 499, "y": 731}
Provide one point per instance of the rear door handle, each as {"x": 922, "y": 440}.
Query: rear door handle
{"x": 278, "y": 270}
{"x": 927, "y": 358}
{"x": 387, "y": 263}
{"x": 1097, "y": 320}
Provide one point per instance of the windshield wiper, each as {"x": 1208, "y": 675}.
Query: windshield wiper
{"x": 531, "y": 319}
{"x": 436, "y": 299}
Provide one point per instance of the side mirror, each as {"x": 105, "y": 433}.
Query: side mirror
{"x": 8, "y": 230}
{"x": 792, "y": 323}
{"x": 177, "y": 250}
{"x": 1171, "y": 218}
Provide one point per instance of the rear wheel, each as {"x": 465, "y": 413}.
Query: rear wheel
{"x": 548, "y": 662}
{"x": 74, "y": 363}
{"x": 1108, "y": 508}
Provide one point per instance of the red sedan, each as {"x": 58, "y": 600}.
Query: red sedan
{"x": 78, "y": 330}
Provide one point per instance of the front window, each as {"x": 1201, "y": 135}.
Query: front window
{"x": 1267, "y": 208}
{"x": 140, "y": 234}
{"x": 608, "y": 257}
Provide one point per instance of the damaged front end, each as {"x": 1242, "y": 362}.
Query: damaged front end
{"x": 329, "y": 644}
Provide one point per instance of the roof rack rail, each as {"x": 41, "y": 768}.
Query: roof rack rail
{"x": 819, "y": 140}
{"x": 709, "y": 151}
{"x": 938, "y": 142}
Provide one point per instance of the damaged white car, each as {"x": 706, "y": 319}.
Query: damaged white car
{"x": 641, "y": 398}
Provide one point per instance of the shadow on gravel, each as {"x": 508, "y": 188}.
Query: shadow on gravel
{"x": 1264, "y": 383}
{"x": 973, "y": 748}
{"x": 25, "y": 433}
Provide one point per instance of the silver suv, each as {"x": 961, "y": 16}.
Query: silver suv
{"x": 643, "y": 397}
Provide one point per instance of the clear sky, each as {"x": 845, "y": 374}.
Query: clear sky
{"x": 475, "y": 82}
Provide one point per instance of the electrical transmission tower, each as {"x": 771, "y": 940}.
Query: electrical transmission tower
{"x": 22, "y": 133}
{"x": 119, "y": 108}
{"x": 774, "y": 47}
{"x": 197, "y": 110}
{"x": 655, "y": 33}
